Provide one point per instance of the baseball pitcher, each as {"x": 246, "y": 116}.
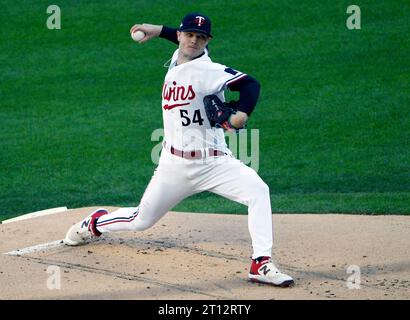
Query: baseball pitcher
{"x": 195, "y": 156}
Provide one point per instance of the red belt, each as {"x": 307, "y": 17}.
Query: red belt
{"x": 196, "y": 154}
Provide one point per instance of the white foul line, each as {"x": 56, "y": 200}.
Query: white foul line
{"x": 36, "y": 214}
{"x": 39, "y": 247}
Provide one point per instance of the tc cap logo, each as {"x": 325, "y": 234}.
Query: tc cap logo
{"x": 196, "y": 22}
{"x": 199, "y": 20}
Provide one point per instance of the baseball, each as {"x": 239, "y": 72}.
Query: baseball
{"x": 137, "y": 35}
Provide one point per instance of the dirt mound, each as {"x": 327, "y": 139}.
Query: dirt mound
{"x": 207, "y": 256}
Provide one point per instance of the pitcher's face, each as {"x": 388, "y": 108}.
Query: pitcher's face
{"x": 192, "y": 44}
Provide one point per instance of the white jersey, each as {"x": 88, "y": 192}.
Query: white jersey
{"x": 186, "y": 125}
{"x": 178, "y": 177}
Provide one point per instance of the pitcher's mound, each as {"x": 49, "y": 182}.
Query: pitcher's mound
{"x": 207, "y": 256}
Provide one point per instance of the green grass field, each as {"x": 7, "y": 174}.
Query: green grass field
{"x": 78, "y": 105}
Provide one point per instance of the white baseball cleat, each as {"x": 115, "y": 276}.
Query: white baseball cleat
{"x": 264, "y": 271}
{"x": 84, "y": 230}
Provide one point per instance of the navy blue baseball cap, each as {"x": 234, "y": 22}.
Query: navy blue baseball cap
{"x": 196, "y": 22}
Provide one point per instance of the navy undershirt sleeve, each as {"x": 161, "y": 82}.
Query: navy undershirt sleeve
{"x": 249, "y": 89}
{"x": 169, "y": 34}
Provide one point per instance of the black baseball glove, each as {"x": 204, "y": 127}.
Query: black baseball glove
{"x": 219, "y": 112}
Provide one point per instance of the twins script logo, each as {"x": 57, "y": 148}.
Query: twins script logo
{"x": 177, "y": 95}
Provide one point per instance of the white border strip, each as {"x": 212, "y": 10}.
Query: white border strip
{"x": 39, "y": 247}
{"x": 36, "y": 214}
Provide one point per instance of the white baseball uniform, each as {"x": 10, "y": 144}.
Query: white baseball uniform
{"x": 195, "y": 157}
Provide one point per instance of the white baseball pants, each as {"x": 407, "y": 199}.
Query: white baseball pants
{"x": 177, "y": 178}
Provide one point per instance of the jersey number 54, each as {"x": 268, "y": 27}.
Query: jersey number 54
{"x": 186, "y": 120}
